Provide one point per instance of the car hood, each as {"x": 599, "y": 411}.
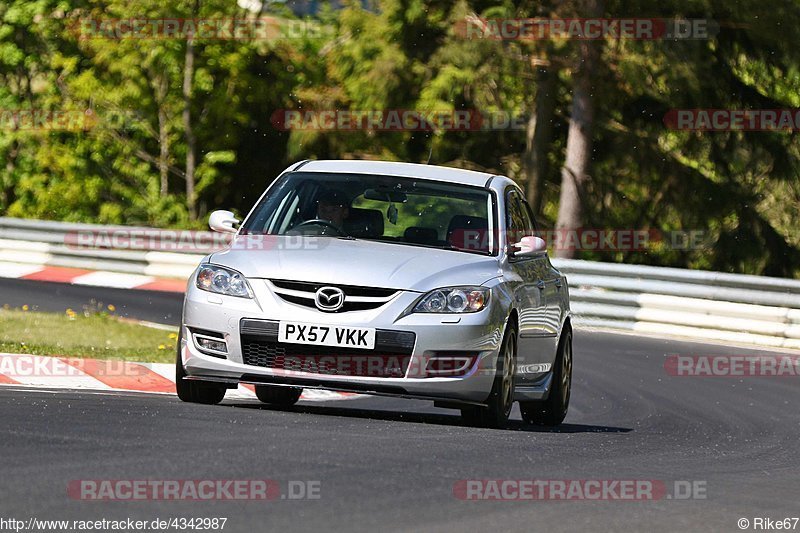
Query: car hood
{"x": 354, "y": 262}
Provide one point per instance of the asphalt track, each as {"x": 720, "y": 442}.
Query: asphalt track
{"x": 153, "y": 306}
{"x": 389, "y": 465}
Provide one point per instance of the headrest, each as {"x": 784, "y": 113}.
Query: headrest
{"x": 333, "y": 197}
{"x": 419, "y": 235}
{"x": 468, "y": 233}
{"x": 364, "y": 223}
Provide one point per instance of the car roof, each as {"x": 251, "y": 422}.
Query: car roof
{"x": 392, "y": 168}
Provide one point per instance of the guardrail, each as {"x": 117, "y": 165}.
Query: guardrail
{"x": 689, "y": 303}
{"x": 645, "y": 299}
{"x": 128, "y": 249}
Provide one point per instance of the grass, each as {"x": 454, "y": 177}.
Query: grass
{"x": 94, "y": 335}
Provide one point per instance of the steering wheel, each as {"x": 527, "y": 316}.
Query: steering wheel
{"x": 322, "y": 222}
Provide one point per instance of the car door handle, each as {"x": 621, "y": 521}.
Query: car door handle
{"x": 558, "y": 283}
{"x": 540, "y": 284}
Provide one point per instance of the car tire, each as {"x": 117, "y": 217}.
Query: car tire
{"x": 282, "y": 396}
{"x": 551, "y": 412}
{"x": 501, "y": 398}
{"x": 194, "y": 391}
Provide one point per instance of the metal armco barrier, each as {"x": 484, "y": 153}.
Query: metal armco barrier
{"x": 128, "y": 249}
{"x": 688, "y": 303}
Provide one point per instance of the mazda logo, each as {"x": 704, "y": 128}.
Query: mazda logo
{"x": 329, "y": 299}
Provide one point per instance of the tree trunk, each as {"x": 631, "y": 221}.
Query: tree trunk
{"x": 163, "y": 134}
{"x": 575, "y": 172}
{"x": 7, "y": 197}
{"x": 539, "y": 135}
{"x": 191, "y": 143}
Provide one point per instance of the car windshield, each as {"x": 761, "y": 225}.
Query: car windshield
{"x": 405, "y": 211}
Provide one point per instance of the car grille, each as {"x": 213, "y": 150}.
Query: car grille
{"x": 355, "y": 298}
{"x": 389, "y": 359}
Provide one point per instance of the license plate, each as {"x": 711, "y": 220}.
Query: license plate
{"x": 341, "y": 336}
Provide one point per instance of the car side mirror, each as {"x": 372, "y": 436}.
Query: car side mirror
{"x": 223, "y": 222}
{"x": 530, "y": 246}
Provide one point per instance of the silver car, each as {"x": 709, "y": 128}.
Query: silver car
{"x": 383, "y": 278}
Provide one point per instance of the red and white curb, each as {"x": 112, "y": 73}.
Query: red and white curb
{"x": 94, "y": 278}
{"x": 101, "y": 375}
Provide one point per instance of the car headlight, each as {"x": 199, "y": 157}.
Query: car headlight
{"x": 222, "y": 280}
{"x": 453, "y": 300}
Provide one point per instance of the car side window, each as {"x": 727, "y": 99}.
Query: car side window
{"x": 518, "y": 220}
{"x": 531, "y": 220}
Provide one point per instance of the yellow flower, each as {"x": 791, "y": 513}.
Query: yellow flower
{"x": 173, "y": 335}
{"x": 112, "y": 307}
{"x": 25, "y": 307}
{"x": 162, "y": 347}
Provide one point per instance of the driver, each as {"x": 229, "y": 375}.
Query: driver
{"x": 333, "y": 205}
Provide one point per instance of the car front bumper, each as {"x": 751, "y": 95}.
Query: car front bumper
{"x": 478, "y": 333}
